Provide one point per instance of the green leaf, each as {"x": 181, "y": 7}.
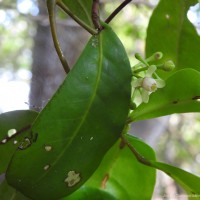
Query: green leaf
{"x": 122, "y": 175}
{"x": 81, "y": 9}
{"x": 86, "y": 193}
{"x": 180, "y": 95}
{"x": 9, "y": 193}
{"x": 79, "y": 124}
{"x": 14, "y": 120}
{"x": 170, "y": 32}
{"x": 189, "y": 182}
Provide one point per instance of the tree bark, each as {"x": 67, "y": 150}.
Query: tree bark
{"x": 47, "y": 71}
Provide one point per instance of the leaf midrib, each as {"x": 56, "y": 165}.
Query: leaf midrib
{"x": 179, "y": 36}
{"x": 85, "y": 10}
{"x": 100, "y": 58}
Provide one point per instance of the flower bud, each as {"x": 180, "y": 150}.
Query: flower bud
{"x": 156, "y": 56}
{"x": 168, "y": 66}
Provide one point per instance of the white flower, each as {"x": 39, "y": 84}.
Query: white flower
{"x": 148, "y": 84}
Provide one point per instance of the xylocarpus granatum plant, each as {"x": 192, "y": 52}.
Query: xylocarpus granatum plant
{"x": 78, "y": 146}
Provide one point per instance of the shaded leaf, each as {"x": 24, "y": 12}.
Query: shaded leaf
{"x": 14, "y": 120}
{"x": 180, "y": 95}
{"x": 79, "y": 124}
{"x": 9, "y": 193}
{"x": 170, "y": 32}
{"x": 122, "y": 175}
{"x": 82, "y": 9}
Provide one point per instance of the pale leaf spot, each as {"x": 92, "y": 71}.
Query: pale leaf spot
{"x": 48, "y": 148}
{"x": 72, "y": 178}
{"x": 46, "y": 167}
{"x": 11, "y": 132}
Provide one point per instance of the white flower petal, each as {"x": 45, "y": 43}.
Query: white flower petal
{"x": 150, "y": 71}
{"x": 137, "y": 98}
{"x": 137, "y": 82}
{"x": 160, "y": 83}
{"x": 145, "y": 96}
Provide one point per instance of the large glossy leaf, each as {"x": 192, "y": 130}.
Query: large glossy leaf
{"x": 171, "y": 32}
{"x": 180, "y": 95}
{"x": 87, "y": 193}
{"x": 188, "y": 181}
{"x": 122, "y": 175}
{"x": 79, "y": 124}
{"x": 14, "y": 120}
{"x": 81, "y": 9}
{"x": 9, "y": 193}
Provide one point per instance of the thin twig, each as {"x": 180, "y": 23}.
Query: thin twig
{"x": 117, "y": 10}
{"x": 95, "y": 15}
{"x": 51, "y": 9}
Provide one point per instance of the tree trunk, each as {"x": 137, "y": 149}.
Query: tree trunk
{"x": 47, "y": 71}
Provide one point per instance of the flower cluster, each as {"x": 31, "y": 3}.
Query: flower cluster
{"x": 145, "y": 80}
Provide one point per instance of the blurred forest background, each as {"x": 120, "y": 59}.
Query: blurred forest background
{"x": 30, "y": 72}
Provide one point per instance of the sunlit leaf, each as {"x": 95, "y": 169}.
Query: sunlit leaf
{"x": 11, "y": 122}
{"x": 180, "y": 95}
{"x": 170, "y": 32}
{"x": 122, "y": 175}
{"x": 79, "y": 124}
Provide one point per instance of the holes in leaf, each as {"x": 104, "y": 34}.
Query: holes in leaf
{"x": 25, "y": 144}
{"x": 72, "y": 178}
{"x": 175, "y": 101}
{"x": 196, "y": 98}
{"x": 11, "y": 132}
{"x": 15, "y": 142}
{"x": 4, "y": 141}
{"x": 91, "y": 138}
{"x": 167, "y": 16}
{"x": 46, "y": 167}
{"x": 48, "y": 147}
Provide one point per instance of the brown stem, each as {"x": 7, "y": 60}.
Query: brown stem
{"x": 117, "y": 10}
{"x": 95, "y": 14}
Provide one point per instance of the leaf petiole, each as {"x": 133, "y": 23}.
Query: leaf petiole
{"x": 138, "y": 156}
